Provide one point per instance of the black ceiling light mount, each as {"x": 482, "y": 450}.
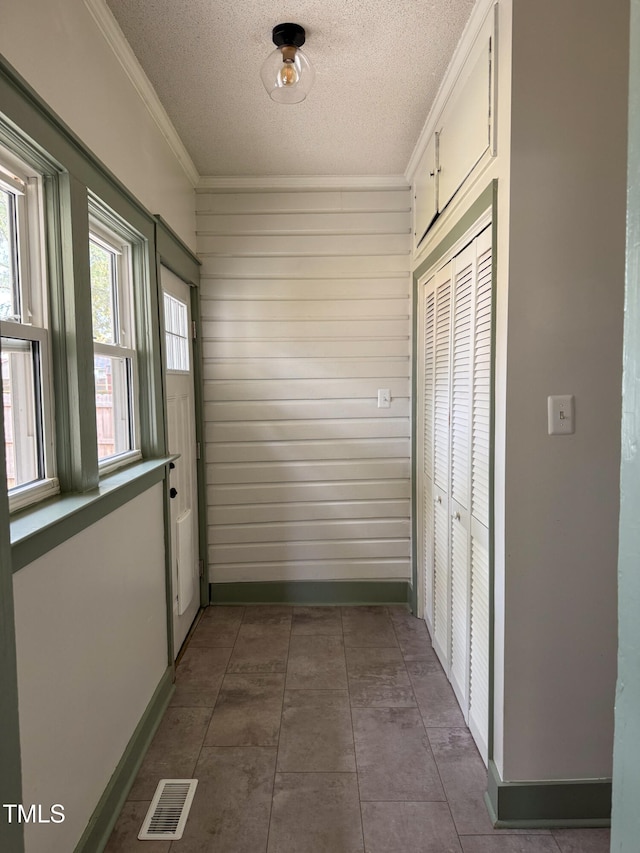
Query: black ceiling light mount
{"x": 284, "y": 35}
{"x": 287, "y": 74}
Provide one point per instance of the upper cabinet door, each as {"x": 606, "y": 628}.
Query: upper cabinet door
{"x": 461, "y": 131}
{"x": 465, "y": 127}
{"x": 425, "y": 195}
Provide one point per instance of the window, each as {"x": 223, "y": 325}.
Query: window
{"x": 25, "y": 358}
{"x": 176, "y": 324}
{"x": 113, "y": 346}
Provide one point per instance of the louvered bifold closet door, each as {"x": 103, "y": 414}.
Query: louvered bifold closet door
{"x": 460, "y": 432}
{"x": 425, "y": 484}
{"x": 441, "y": 448}
{"x": 480, "y": 497}
{"x": 481, "y": 417}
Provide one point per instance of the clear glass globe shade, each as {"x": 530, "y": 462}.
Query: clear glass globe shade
{"x": 287, "y": 82}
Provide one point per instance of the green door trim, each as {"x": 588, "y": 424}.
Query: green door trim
{"x": 176, "y": 256}
{"x": 487, "y": 200}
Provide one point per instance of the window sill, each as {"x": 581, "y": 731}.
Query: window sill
{"x": 39, "y": 529}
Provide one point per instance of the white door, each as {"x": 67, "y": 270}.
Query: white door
{"x": 453, "y": 489}
{"x": 441, "y": 420}
{"x": 181, "y": 428}
{"x": 480, "y": 613}
{"x": 460, "y": 467}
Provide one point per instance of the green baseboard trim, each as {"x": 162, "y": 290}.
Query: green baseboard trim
{"x": 95, "y": 837}
{"x": 311, "y": 592}
{"x": 542, "y": 805}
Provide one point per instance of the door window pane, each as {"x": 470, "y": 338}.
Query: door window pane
{"x": 176, "y": 322}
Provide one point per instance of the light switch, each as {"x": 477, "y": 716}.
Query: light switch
{"x": 561, "y": 414}
{"x": 384, "y": 398}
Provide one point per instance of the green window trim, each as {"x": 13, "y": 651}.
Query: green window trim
{"x": 37, "y": 530}
{"x": 72, "y": 178}
{"x": 76, "y": 184}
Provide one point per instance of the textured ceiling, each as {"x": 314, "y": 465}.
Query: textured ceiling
{"x": 378, "y": 65}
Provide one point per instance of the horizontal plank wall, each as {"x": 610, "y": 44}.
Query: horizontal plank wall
{"x": 305, "y": 315}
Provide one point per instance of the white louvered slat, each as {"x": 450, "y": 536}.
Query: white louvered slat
{"x": 460, "y": 611}
{"x": 441, "y": 580}
{"x": 429, "y": 330}
{"x": 479, "y": 651}
{"x": 428, "y": 554}
{"x": 460, "y": 383}
{"x": 481, "y": 411}
{"x": 442, "y": 385}
{"x": 426, "y": 533}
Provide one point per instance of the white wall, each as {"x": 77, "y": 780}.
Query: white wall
{"x": 91, "y": 643}
{"x": 58, "y": 48}
{"x": 566, "y": 282}
{"x": 306, "y": 313}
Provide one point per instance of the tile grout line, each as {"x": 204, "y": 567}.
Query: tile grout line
{"x": 275, "y": 765}
{"x": 426, "y": 734}
{"x": 353, "y": 736}
{"x": 199, "y": 756}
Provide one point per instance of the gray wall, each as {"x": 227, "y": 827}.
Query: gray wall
{"x": 565, "y": 310}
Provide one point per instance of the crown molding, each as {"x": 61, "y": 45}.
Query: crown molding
{"x": 473, "y": 28}
{"x": 301, "y": 183}
{"x": 121, "y": 48}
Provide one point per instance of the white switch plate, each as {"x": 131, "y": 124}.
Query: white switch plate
{"x": 384, "y": 398}
{"x": 561, "y": 414}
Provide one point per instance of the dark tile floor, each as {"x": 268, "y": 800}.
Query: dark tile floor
{"x": 322, "y": 730}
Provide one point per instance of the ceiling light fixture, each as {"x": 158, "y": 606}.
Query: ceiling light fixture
{"x": 286, "y": 73}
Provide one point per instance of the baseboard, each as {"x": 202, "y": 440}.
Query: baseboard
{"x": 541, "y": 805}
{"x": 311, "y": 592}
{"x": 103, "y": 819}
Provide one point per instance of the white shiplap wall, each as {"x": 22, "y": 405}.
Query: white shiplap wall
{"x": 306, "y": 314}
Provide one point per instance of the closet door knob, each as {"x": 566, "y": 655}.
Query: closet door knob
{"x": 173, "y": 492}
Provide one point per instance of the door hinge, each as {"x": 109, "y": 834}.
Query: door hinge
{"x": 197, "y": 450}
{"x": 201, "y": 568}
{"x": 194, "y": 333}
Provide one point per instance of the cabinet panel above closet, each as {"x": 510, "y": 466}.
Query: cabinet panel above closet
{"x": 464, "y": 136}
{"x": 459, "y": 133}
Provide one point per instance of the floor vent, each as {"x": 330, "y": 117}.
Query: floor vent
{"x": 169, "y": 810}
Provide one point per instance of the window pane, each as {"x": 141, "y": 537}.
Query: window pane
{"x": 9, "y": 285}
{"x": 113, "y": 405}
{"x": 176, "y": 321}
{"x": 21, "y": 405}
{"x": 103, "y": 289}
